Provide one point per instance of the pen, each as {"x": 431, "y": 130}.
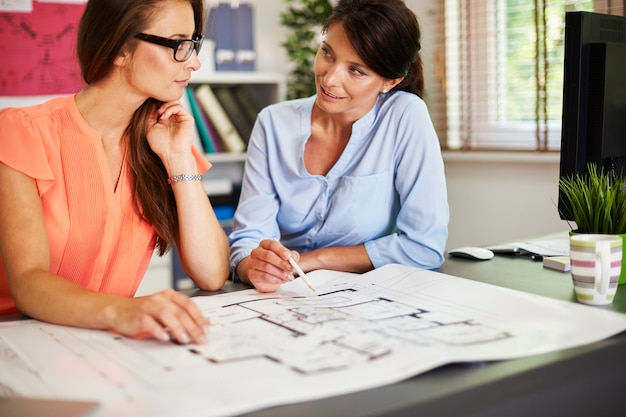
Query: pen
{"x": 300, "y": 272}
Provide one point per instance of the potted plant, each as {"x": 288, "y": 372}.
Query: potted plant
{"x": 304, "y": 19}
{"x": 597, "y": 203}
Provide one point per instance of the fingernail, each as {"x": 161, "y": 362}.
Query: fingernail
{"x": 164, "y": 336}
{"x": 291, "y": 277}
{"x": 184, "y": 338}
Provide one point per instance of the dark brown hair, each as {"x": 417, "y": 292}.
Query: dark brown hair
{"x": 106, "y": 29}
{"x": 386, "y": 35}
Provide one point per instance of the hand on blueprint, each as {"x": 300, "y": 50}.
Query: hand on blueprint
{"x": 268, "y": 265}
{"x": 166, "y": 315}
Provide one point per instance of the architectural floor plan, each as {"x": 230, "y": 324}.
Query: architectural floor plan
{"x": 355, "y": 332}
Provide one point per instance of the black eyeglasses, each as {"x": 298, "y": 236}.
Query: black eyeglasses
{"x": 183, "y": 48}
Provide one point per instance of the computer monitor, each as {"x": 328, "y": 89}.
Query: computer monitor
{"x": 594, "y": 96}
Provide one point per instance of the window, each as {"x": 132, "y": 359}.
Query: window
{"x": 504, "y": 71}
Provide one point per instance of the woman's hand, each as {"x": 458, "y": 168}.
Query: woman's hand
{"x": 166, "y": 315}
{"x": 268, "y": 267}
{"x": 170, "y": 130}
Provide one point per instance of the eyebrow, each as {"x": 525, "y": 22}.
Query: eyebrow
{"x": 174, "y": 35}
{"x": 356, "y": 64}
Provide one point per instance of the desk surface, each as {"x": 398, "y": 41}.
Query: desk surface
{"x": 583, "y": 381}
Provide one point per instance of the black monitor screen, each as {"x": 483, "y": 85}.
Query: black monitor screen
{"x": 594, "y": 96}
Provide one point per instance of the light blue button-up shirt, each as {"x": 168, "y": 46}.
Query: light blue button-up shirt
{"x": 387, "y": 190}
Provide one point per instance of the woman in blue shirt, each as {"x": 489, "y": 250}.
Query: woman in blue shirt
{"x": 351, "y": 178}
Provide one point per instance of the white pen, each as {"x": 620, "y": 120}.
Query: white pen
{"x": 301, "y": 273}
{"x": 299, "y": 270}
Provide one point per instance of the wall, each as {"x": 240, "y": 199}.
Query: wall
{"x": 501, "y": 197}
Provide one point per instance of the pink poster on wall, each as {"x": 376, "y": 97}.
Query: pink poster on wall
{"x": 38, "y": 50}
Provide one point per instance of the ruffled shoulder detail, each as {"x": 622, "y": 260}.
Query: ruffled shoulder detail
{"x": 22, "y": 144}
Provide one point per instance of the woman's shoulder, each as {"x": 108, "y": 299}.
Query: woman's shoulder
{"x": 31, "y": 137}
{"x": 403, "y": 106}
{"x": 403, "y": 98}
{"x": 39, "y": 112}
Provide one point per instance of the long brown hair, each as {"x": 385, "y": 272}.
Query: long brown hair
{"x": 386, "y": 36}
{"x": 107, "y": 28}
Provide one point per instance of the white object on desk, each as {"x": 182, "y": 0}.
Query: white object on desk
{"x": 559, "y": 263}
{"x": 557, "y": 247}
{"x": 472, "y": 252}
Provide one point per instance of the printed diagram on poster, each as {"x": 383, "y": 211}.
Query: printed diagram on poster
{"x": 41, "y": 49}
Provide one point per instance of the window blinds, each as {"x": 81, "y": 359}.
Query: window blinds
{"x": 503, "y": 75}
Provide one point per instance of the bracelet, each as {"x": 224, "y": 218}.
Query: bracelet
{"x": 184, "y": 177}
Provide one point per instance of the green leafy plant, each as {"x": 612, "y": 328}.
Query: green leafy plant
{"x": 304, "y": 19}
{"x": 597, "y": 201}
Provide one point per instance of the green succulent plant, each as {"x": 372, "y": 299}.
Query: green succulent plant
{"x": 304, "y": 19}
{"x": 597, "y": 201}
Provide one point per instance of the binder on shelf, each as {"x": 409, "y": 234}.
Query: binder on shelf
{"x": 234, "y": 111}
{"x": 201, "y": 122}
{"x": 212, "y": 135}
{"x": 245, "y": 54}
{"x": 217, "y": 144}
{"x": 184, "y": 101}
{"x": 220, "y": 29}
{"x": 231, "y": 140}
{"x": 247, "y": 104}
{"x": 230, "y": 26}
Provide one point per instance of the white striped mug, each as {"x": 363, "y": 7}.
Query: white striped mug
{"x": 596, "y": 263}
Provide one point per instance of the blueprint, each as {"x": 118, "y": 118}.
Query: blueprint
{"x": 355, "y": 332}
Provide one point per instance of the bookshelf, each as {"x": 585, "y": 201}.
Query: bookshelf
{"x": 265, "y": 89}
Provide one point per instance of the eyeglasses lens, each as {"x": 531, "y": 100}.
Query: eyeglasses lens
{"x": 186, "y": 48}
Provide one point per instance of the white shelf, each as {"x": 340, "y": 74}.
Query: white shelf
{"x": 238, "y": 77}
{"x": 272, "y": 86}
{"x": 225, "y": 157}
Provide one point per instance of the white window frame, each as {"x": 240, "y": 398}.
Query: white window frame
{"x": 472, "y": 113}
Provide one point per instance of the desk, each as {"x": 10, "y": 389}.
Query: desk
{"x": 585, "y": 381}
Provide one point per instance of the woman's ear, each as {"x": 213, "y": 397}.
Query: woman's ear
{"x": 122, "y": 59}
{"x": 389, "y": 84}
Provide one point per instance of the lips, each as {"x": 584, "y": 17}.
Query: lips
{"x": 329, "y": 95}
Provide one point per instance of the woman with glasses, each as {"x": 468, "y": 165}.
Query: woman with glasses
{"x": 351, "y": 178}
{"x": 94, "y": 182}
